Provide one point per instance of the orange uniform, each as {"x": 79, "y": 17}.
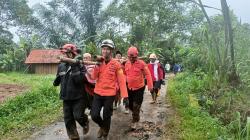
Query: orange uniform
{"x": 135, "y": 74}
{"x": 106, "y": 76}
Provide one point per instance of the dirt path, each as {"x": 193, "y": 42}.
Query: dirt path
{"x": 10, "y": 90}
{"x": 153, "y": 118}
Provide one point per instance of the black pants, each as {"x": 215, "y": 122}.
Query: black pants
{"x": 74, "y": 111}
{"x": 107, "y": 103}
{"x": 157, "y": 87}
{"x": 126, "y": 102}
{"x": 135, "y": 98}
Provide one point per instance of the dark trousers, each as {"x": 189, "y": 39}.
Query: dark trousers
{"x": 135, "y": 98}
{"x": 126, "y": 102}
{"x": 157, "y": 87}
{"x": 107, "y": 103}
{"x": 74, "y": 111}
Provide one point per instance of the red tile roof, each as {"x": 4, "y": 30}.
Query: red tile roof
{"x": 43, "y": 56}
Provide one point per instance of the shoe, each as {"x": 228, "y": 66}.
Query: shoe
{"x": 105, "y": 137}
{"x": 100, "y": 133}
{"x": 133, "y": 125}
{"x": 152, "y": 102}
{"x": 126, "y": 111}
{"x": 74, "y": 138}
{"x": 74, "y": 135}
{"x": 114, "y": 107}
{"x": 156, "y": 102}
{"x": 86, "y": 129}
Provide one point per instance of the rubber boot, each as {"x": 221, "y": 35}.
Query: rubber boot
{"x": 73, "y": 134}
{"x": 100, "y": 133}
{"x": 86, "y": 128}
{"x": 105, "y": 133}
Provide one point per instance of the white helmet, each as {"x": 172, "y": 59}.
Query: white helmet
{"x": 108, "y": 42}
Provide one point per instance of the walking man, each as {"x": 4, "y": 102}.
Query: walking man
{"x": 135, "y": 71}
{"x": 106, "y": 74}
{"x": 157, "y": 74}
{"x": 71, "y": 78}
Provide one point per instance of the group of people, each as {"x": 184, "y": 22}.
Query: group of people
{"x": 97, "y": 86}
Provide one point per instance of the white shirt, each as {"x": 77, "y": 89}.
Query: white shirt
{"x": 156, "y": 69}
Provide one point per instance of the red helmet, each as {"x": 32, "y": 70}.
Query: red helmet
{"x": 69, "y": 48}
{"x": 132, "y": 51}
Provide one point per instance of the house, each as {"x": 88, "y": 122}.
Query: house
{"x": 43, "y": 61}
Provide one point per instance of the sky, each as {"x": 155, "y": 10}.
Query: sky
{"x": 240, "y": 7}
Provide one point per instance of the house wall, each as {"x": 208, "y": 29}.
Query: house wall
{"x": 45, "y": 68}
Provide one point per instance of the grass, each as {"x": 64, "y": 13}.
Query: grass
{"x": 194, "y": 123}
{"x": 30, "y": 111}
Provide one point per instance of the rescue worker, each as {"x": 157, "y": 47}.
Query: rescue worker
{"x": 118, "y": 56}
{"x": 135, "y": 71}
{"x": 107, "y": 73}
{"x": 71, "y": 78}
{"x": 157, "y": 73}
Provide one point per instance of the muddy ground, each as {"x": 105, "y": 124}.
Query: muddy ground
{"x": 151, "y": 127}
{"x": 10, "y": 90}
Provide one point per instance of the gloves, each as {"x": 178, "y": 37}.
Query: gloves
{"x": 77, "y": 67}
{"x": 57, "y": 81}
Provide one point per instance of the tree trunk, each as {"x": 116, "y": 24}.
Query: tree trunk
{"x": 214, "y": 43}
{"x": 233, "y": 77}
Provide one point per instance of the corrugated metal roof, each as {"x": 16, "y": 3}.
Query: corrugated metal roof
{"x": 43, "y": 56}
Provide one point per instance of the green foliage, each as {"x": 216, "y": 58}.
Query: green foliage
{"x": 15, "y": 12}
{"x": 77, "y": 20}
{"x": 200, "y": 96}
{"x": 38, "y": 106}
{"x": 91, "y": 48}
{"x": 156, "y": 26}
{"x": 240, "y": 128}
{"x": 242, "y": 35}
{"x": 195, "y": 123}
{"x": 216, "y": 40}
{"x": 12, "y": 60}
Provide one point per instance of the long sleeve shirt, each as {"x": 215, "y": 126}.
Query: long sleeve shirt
{"x": 106, "y": 76}
{"x": 135, "y": 73}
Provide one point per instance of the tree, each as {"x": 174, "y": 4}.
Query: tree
{"x": 14, "y": 13}
{"x": 229, "y": 42}
{"x": 62, "y": 21}
{"x": 152, "y": 23}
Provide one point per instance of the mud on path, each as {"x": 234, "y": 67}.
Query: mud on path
{"x": 151, "y": 127}
{"x": 10, "y": 90}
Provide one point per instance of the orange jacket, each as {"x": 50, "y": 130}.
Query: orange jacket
{"x": 106, "y": 76}
{"x": 135, "y": 74}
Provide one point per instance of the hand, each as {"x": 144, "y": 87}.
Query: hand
{"x": 60, "y": 57}
{"x": 150, "y": 89}
{"x": 99, "y": 58}
{"x": 98, "y": 63}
